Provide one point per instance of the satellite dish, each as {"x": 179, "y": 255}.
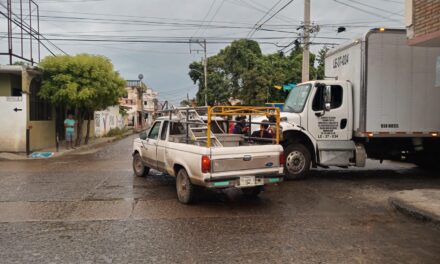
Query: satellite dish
{"x": 140, "y": 76}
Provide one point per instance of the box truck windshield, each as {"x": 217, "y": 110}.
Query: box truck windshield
{"x": 297, "y": 98}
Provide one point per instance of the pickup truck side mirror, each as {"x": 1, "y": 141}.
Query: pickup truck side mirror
{"x": 143, "y": 135}
{"x": 327, "y": 97}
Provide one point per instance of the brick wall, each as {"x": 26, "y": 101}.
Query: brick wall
{"x": 426, "y": 17}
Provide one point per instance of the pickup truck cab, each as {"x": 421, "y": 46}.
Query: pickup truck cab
{"x": 178, "y": 148}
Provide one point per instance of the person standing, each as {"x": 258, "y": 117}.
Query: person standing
{"x": 69, "y": 124}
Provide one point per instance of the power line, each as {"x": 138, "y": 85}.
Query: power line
{"x": 365, "y": 11}
{"x": 281, "y": 9}
{"x": 164, "y": 38}
{"x": 31, "y": 31}
{"x": 206, "y": 16}
{"x": 377, "y": 8}
{"x": 26, "y": 30}
{"x": 258, "y": 7}
{"x": 215, "y": 14}
{"x": 254, "y": 29}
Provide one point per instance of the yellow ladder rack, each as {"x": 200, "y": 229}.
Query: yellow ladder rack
{"x": 243, "y": 110}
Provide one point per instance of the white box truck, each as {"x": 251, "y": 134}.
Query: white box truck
{"x": 381, "y": 100}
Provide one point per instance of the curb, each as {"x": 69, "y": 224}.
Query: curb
{"x": 72, "y": 152}
{"x": 95, "y": 146}
{"x": 412, "y": 211}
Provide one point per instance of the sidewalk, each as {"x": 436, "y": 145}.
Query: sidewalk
{"x": 423, "y": 204}
{"x": 94, "y": 143}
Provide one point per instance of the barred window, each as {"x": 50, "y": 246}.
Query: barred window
{"x": 40, "y": 109}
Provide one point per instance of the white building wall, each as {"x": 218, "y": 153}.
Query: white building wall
{"x": 13, "y": 123}
{"x": 108, "y": 119}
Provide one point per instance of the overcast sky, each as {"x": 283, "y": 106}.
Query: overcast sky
{"x": 165, "y": 65}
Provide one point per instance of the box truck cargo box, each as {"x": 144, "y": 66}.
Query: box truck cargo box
{"x": 394, "y": 85}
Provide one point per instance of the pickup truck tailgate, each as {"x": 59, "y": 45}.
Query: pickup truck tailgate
{"x": 245, "y": 158}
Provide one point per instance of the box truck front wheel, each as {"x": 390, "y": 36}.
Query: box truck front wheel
{"x": 185, "y": 189}
{"x": 298, "y": 161}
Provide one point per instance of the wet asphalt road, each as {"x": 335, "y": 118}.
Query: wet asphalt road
{"x": 89, "y": 208}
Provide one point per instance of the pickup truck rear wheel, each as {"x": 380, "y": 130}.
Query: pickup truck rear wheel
{"x": 139, "y": 168}
{"x": 298, "y": 161}
{"x": 185, "y": 189}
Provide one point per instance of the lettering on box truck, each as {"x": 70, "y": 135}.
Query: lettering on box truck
{"x": 341, "y": 61}
{"x": 327, "y": 126}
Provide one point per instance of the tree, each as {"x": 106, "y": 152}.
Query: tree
{"x": 321, "y": 63}
{"x": 218, "y": 84}
{"x": 188, "y": 102}
{"x": 241, "y": 71}
{"x": 84, "y": 82}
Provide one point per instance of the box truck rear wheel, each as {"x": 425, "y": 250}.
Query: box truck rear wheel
{"x": 138, "y": 166}
{"x": 298, "y": 161}
{"x": 185, "y": 189}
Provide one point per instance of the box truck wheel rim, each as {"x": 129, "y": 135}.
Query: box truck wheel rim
{"x": 295, "y": 162}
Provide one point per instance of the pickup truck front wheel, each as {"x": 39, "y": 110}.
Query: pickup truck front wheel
{"x": 138, "y": 166}
{"x": 298, "y": 161}
{"x": 185, "y": 189}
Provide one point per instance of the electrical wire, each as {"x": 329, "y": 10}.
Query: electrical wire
{"x": 377, "y": 8}
{"x": 254, "y": 28}
{"x": 281, "y": 9}
{"x": 206, "y": 16}
{"x": 30, "y": 30}
{"x": 364, "y": 11}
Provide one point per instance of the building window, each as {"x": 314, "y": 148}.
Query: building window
{"x": 15, "y": 85}
{"x": 16, "y": 92}
{"x": 40, "y": 110}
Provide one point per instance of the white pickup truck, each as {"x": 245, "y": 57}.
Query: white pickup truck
{"x": 179, "y": 148}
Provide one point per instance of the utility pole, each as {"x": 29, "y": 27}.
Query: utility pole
{"x": 306, "y": 51}
{"x": 141, "y": 76}
{"x": 204, "y": 62}
{"x": 205, "y": 70}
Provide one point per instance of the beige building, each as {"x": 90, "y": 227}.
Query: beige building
{"x": 133, "y": 103}
{"x": 423, "y": 22}
{"x": 28, "y": 122}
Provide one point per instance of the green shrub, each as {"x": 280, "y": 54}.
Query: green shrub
{"x": 116, "y": 132}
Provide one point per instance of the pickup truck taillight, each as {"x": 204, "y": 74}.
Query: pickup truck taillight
{"x": 206, "y": 164}
{"x": 282, "y": 159}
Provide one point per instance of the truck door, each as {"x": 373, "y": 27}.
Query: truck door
{"x": 161, "y": 148}
{"x": 334, "y": 124}
{"x": 149, "y": 146}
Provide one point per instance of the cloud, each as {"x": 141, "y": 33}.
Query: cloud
{"x": 165, "y": 66}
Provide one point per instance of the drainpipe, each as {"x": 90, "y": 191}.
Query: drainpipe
{"x": 28, "y": 143}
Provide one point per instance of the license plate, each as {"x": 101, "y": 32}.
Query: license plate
{"x": 247, "y": 181}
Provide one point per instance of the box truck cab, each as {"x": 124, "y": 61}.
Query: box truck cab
{"x": 381, "y": 101}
